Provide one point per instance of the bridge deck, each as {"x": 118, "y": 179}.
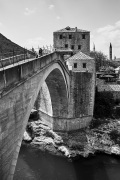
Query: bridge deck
{"x": 14, "y": 73}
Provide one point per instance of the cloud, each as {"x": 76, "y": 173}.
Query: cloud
{"x": 29, "y": 11}
{"x": 1, "y": 24}
{"x": 51, "y": 6}
{"x": 58, "y": 17}
{"x": 104, "y": 35}
{"x": 107, "y": 28}
{"x": 34, "y": 42}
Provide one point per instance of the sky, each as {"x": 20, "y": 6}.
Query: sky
{"x": 31, "y": 23}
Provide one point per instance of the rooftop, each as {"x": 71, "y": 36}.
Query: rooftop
{"x": 69, "y": 29}
{"x": 110, "y": 87}
{"x": 80, "y": 56}
{"x": 117, "y": 59}
{"x": 115, "y": 87}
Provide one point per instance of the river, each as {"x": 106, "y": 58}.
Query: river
{"x": 36, "y": 165}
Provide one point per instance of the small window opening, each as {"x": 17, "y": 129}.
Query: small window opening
{"x": 83, "y": 36}
{"x": 61, "y": 36}
{"x": 75, "y": 65}
{"x": 70, "y": 36}
{"x": 72, "y": 47}
{"x": 79, "y": 46}
{"x": 66, "y": 45}
{"x": 84, "y": 65}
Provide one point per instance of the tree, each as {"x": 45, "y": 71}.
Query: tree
{"x": 101, "y": 59}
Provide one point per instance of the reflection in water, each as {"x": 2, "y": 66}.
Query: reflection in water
{"x": 36, "y": 165}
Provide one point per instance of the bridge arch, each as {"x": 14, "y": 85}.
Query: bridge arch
{"x": 52, "y": 98}
{"x": 55, "y": 77}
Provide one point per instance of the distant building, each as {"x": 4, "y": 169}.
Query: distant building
{"x": 72, "y": 39}
{"x": 113, "y": 88}
{"x": 117, "y": 59}
{"x": 110, "y": 52}
{"x": 117, "y": 70}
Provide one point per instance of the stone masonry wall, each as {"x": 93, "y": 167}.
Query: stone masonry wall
{"x": 76, "y": 40}
{"x": 16, "y": 103}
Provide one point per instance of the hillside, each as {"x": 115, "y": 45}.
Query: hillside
{"x": 8, "y": 48}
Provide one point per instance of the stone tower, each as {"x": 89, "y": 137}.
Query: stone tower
{"x": 72, "y": 39}
{"x": 82, "y": 75}
{"x": 110, "y": 52}
{"x": 82, "y": 89}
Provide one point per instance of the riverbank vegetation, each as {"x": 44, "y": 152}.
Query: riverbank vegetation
{"x": 105, "y": 105}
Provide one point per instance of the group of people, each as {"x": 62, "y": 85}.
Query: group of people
{"x": 40, "y": 53}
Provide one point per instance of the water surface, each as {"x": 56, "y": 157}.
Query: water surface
{"x": 35, "y": 165}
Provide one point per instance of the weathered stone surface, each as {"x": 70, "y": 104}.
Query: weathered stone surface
{"x": 75, "y": 40}
{"x": 26, "y": 136}
{"x": 34, "y": 115}
{"x": 81, "y": 143}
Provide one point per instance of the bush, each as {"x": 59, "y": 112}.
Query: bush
{"x": 114, "y": 135}
{"x": 95, "y": 123}
{"x": 104, "y": 104}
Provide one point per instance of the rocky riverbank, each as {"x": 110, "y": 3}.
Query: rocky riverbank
{"x": 103, "y": 135}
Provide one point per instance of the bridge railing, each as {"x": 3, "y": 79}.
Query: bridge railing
{"x": 9, "y": 58}
{"x": 14, "y": 59}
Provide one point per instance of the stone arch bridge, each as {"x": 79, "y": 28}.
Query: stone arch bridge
{"x": 46, "y": 79}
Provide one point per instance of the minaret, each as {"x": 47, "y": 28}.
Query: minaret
{"x": 93, "y": 47}
{"x": 110, "y": 52}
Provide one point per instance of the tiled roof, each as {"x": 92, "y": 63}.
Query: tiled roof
{"x": 79, "y": 56}
{"x": 115, "y": 87}
{"x": 110, "y": 87}
{"x": 69, "y": 29}
{"x": 117, "y": 59}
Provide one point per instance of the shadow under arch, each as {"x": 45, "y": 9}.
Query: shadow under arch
{"x": 52, "y": 98}
{"x": 58, "y": 92}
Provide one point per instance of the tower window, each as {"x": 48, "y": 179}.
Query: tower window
{"x": 72, "y": 46}
{"x": 66, "y": 45}
{"x": 79, "y": 46}
{"x": 75, "y": 65}
{"x": 61, "y": 36}
{"x": 83, "y": 36}
{"x": 84, "y": 65}
{"x": 70, "y": 36}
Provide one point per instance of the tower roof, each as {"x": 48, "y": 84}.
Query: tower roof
{"x": 110, "y": 45}
{"x": 69, "y": 29}
{"x": 80, "y": 56}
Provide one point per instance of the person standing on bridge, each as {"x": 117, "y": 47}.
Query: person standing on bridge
{"x": 40, "y": 52}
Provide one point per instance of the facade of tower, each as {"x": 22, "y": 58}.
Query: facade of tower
{"x": 82, "y": 75}
{"x": 110, "y": 52}
{"x": 72, "y": 39}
